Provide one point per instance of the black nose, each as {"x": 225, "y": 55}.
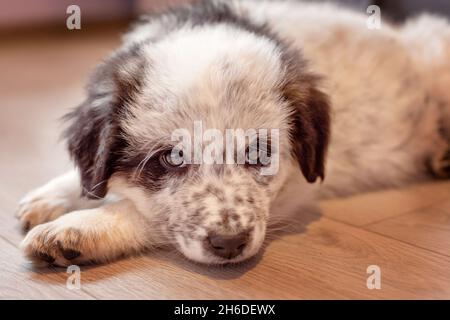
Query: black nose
{"x": 227, "y": 246}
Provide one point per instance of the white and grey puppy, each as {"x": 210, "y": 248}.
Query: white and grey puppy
{"x": 241, "y": 64}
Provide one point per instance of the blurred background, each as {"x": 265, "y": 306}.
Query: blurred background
{"x": 34, "y": 13}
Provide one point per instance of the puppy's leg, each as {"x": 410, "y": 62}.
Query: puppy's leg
{"x": 433, "y": 63}
{"x": 94, "y": 235}
{"x": 59, "y": 196}
{"x": 440, "y": 162}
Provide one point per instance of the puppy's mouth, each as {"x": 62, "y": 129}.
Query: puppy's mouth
{"x": 210, "y": 259}
{"x": 222, "y": 249}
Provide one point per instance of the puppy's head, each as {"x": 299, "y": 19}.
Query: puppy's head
{"x": 201, "y": 80}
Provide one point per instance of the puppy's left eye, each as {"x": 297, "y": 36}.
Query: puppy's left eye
{"x": 251, "y": 156}
{"x": 257, "y": 156}
{"x": 172, "y": 159}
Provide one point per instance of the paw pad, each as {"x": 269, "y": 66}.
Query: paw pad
{"x": 70, "y": 254}
{"x": 43, "y": 256}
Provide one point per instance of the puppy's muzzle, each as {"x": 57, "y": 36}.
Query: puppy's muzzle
{"x": 227, "y": 246}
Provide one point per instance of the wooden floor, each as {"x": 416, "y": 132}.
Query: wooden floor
{"x": 404, "y": 232}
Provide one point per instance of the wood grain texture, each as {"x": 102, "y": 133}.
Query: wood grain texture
{"x": 428, "y": 229}
{"x": 405, "y": 232}
{"x": 326, "y": 260}
{"x": 368, "y": 208}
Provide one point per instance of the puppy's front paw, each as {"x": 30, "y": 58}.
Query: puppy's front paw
{"x": 37, "y": 208}
{"x": 57, "y": 244}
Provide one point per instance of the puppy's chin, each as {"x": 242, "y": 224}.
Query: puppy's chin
{"x": 209, "y": 259}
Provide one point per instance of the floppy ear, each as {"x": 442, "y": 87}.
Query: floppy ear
{"x": 94, "y": 138}
{"x": 91, "y": 141}
{"x": 310, "y": 118}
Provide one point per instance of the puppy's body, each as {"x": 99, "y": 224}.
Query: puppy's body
{"x": 240, "y": 65}
{"x": 385, "y": 110}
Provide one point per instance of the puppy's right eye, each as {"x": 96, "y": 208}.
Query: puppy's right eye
{"x": 172, "y": 159}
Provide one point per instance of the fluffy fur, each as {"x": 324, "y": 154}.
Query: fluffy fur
{"x": 305, "y": 69}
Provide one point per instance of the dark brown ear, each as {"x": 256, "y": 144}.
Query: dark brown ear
{"x": 91, "y": 141}
{"x": 310, "y": 118}
{"x": 94, "y": 138}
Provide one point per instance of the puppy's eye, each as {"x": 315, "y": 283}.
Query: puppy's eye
{"x": 251, "y": 156}
{"x": 172, "y": 159}
{"x": 257, "y": 156}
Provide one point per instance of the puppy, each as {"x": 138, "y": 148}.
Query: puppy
{"x": 296, "y": 69}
